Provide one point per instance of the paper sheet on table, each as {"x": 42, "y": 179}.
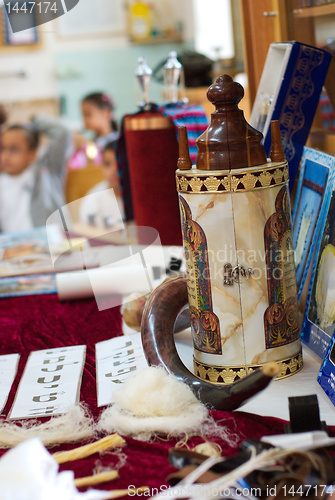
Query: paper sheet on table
{"x": 50, "y": 383}
{"x": 302, "y": 441}
{"x": 8, "y": 369}
{"x": 101, "y": 282}
{"x": 116, "y": 360}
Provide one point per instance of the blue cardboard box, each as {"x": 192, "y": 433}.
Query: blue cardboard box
{"x": 289, "y": 91}
{"x": 319, "y": 320}
{"x": 315, "y": 171}
{"x": 326, "y": 376}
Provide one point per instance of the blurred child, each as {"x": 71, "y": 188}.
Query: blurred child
{"x": 103, "y": 205}
{"x": 97, "y": 110}
{"x": 31, "y": 187}
{"x": 3, "y": 117}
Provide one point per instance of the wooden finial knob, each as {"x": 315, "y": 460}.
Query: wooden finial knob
{"x": 184, "y": 160}
{"x": 225, "y": 92}
{"x": 277, "y": 153}
{"x": 229, "y": 142}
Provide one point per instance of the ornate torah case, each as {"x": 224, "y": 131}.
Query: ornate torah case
{"x": 236, "y": 227}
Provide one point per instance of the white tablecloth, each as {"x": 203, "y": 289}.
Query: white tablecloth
{"x": 273, "y": 401}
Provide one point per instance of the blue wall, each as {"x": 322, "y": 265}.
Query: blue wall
{"x": 109, "y": 70}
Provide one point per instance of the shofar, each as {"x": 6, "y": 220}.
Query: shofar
{"x": 159, "y": 316}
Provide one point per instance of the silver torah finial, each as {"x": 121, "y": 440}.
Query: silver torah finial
{"x": 173, "y": 77}
{"x": 143, "y": 76}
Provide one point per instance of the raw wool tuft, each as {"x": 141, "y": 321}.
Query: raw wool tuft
{"x": 75, "y": 425}
{"x": 153, "y": 401}
{"x": 211, "y": 429}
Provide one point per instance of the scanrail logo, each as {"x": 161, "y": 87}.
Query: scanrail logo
{"x": 27, "y": 14}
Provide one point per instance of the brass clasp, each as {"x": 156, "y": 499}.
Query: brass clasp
{"x": 237, "y": 274}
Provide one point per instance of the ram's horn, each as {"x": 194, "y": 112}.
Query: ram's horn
{"x": 160, "y": 313}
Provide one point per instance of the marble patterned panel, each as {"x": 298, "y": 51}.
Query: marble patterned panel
{"x": 234, "y": 227}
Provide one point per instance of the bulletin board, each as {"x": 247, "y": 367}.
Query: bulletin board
{"x": 94, "y": 18}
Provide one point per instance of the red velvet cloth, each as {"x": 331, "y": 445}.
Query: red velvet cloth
{"x": 40, "y": 322}
{"x": 152, "y": 159}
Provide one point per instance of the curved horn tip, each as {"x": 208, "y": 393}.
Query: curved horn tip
{"x": 271, "y": 369}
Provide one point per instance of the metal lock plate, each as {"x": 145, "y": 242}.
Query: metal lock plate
{"x": 237, "y": 274}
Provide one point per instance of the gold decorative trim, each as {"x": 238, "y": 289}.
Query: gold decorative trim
{"x": 196, "y": 184}
{"x": 229, "y": 374}
{"x": 147, "y": 123}
{"x": 196, "y": 181}
{"x": 212, "y": 183}
{"x": 265, "y": 179}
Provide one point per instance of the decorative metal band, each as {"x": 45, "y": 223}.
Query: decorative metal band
{"x": 229, "y": 374}
{"x": 193, "y": 182}
{"x": 150, "y": 122}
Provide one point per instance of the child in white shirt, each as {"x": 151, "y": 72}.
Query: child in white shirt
{"x": 31, "y": 187}
{"x": 103, "y": 205}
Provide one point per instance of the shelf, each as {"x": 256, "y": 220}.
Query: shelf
{"x": 317, "y": 11}
{"x": 9, "y": 49}
{"x": 321, "y": 139}
{"x": 158, "y": 39}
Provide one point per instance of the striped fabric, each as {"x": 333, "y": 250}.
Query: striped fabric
{"x": 191, "y": 116}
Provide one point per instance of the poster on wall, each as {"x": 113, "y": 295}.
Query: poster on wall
{"x": 107, "y": 17}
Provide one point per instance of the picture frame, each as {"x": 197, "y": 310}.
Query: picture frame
{"x": 21, "y": 38}
{"x": 319, "y": 325}
{"x": 315, "y": 170}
